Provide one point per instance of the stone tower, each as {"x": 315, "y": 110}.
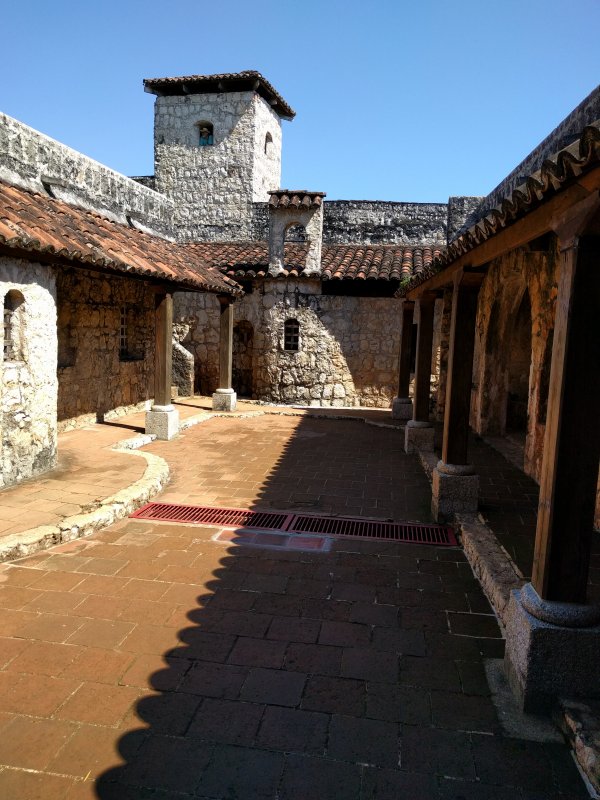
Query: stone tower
{"x": 217, "y": 150}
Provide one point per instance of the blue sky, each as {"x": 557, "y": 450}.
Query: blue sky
{"x": 395, "y": 100}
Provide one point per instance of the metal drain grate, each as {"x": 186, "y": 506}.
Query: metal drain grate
{"x": 237, "y": 517}
{"x": 299, "y": 523}
{"x": 373, "y": 529}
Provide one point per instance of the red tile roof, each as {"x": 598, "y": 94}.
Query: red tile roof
{"x": 249, "y": 80}
{"x": 338, "y": 261}
{"x": 300, "y": 198}
{"x": 39, "y": 224}
{"x": 556, "y": 172}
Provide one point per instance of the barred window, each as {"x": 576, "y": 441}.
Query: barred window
{"x": 13, "y": 326}
{"x": 123, "y": 334}
{"x": 206, "y": 134}
{"x": 291, "y": 335}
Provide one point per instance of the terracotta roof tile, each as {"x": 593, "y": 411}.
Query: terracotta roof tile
{"x": 555, "y": 172}
{"x": 248, "y": 80}
{"x": 299, "y": 198}
{"x": 338, "y": 261}
{"x": 39, "y": 224}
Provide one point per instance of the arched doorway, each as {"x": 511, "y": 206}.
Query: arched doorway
{"x": 519, "y": 367}
{"x": 243, "y": 341}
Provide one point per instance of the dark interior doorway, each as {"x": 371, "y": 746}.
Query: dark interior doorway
{"x": 519, "y": 367}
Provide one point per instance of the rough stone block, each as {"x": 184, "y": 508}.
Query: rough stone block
{"x": 418, "y": 437}
{"x": 402, "y": 408}
{"x": 545, "y": 661}
{"x": 163, "y": 424}
{"x": 453, "y": 494}
{"x": 224, "y": 400}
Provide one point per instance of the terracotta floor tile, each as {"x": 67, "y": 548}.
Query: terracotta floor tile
{"x": 151, "y": 671}
{"x": 18, "y": 783}
{"x": 99, "y": 704}
{"x": 36, "y": 695}
{"x": 54, "y": 602}
{"x": 98, "y": 606}
{"x": 31, "y": 743}
{"x": 45, "y": 658}
{"x": 51, "y": 627}
{"x": 142, "y": 589}
{"x": 99, "y": 584}
{"x": 91, "y": 749}
{"x": 100, "y": 632}
{"x": 98, "y": 665}
{"x": 10, "y": 649}
{"x": 17, "y": 576}
{"x": 17, "y": 597}
{"x": 57, "y": 581}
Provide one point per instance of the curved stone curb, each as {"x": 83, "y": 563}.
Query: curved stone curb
{"x": 117, "y": 506}
{"x": 491, "y": 564}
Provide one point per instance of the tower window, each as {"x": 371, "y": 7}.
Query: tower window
{"x": 291, "y": 335}
{"x": 14, "y": 304}
{"x": 268, "y": 145}
{"x": 205, "y": 134}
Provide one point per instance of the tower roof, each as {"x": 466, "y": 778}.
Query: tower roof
{"x": 249, "y": 80}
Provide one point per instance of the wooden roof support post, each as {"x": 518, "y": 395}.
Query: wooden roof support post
{"x": 402, "y": 405}
{"x": 455, "y": 486}
{"x": 225, "y": 399}
{"x": 419, "y": 431}
{"x": 572, "y": 437}
{"x": 163, "y": 420}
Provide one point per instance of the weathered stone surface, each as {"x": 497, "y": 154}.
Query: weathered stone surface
{"x": 214, "y": 187}
{"x": 348, "y": 352}
{"x": 183, "y": 370}
{"x": 28, "y": 382}
{"x": 452, "y": 494}
{"x": 224, "y": 400}
{"x": 580, "y": 722}
{"x": 418, "y": 437}
{"x": 94, "y": 378}
{"x": 379, "y": 222}
{"x": 162, "y": 423}
{"x": 31, "y": 159}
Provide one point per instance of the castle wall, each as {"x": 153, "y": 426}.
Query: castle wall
{"x": 348, "y": 352}
{"x": 94, "y": 379}
{"x": 28, "y": 385}
{"x": 215, "y": 186}
{"x": 30, "y": 159}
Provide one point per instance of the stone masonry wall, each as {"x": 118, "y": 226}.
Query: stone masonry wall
{"x": 214, "y": 187}
{"x": 28, "y": 387}
{"x": 500, "y": 296}
{"x": 94, "y": 381}
{"x": 29, "y": 158}
{"x": 348, "y": 352}
{"x": 378, "y": 222}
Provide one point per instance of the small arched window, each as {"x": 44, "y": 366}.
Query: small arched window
{"x": 14, "y": 306}
{"x": 291, "y": 335}
{"x": 268, "y": 145}
{"x": 206, "y": 134}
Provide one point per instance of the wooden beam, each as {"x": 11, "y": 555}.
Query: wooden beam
{"x": 225, "y": 341}
{"x": 460, "y": 368}
{"x": 405, "y": 348}
{"x": 572, "y": 437}
{"x": 163, "y": 348}
{"x": 423, "y": 361}
{"x": 543, "y": 219}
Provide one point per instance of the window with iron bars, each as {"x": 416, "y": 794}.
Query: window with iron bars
{"x": 291, "y": 335}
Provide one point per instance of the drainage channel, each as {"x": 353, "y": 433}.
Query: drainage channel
{"x": 299, "y": 523}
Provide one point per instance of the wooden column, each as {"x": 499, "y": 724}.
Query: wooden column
{"x": 572, "y": 437}
{"x": 460, "y": 369}
{"x": 423, "y": 362}
{"x": 163, "y": 362}
{"x": 405, "y": 348}
{"x": 225, "y": 341}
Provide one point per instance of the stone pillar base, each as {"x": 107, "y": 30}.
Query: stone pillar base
{"x": 163, "y": 422}
{"x": 543, "y": 660}
{"x": 454, "y": 490}
{"x": 402, "y": 408}
{"x": 418, "y": 436}
{"x": 224, "y": 400}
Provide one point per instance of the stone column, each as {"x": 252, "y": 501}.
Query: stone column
{"x": 402, "y": 407}
{"x": 455, "y": 486}
{"x": 225, "y": 399}
{"x": 418, "y": 434}
{"x": 163, "y": 420}
{"x": 553, "y": 634}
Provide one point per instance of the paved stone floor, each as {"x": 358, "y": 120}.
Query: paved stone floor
{"x": 150, "y": 661}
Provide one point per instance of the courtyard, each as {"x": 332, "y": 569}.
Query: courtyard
{"x": 159, "y": 660}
